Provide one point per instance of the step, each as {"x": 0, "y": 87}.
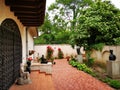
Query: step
{"x": 42, "y": 67}
{"x": 40, "y": 81}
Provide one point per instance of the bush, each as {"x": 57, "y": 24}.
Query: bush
{"x": 60, "y": 54}
{"x": 112, "y": 83}
{"x": 81, "y": 67}
{"x": 49, "y": 52}
{"x": 90, "y": 62}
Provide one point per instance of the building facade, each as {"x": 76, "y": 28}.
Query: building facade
{"x": 17, "y": 31}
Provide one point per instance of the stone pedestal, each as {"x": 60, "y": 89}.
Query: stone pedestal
{"x": 79, "y": 58}
{"x": 113, "y": 69}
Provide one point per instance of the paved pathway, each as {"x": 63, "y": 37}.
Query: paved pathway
{"x": 65, "y": 77}
{"x": 40, "y": 81}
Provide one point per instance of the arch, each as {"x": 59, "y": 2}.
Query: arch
{"x": 10, "y": 53}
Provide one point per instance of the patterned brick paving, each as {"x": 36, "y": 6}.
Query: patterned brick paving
{"x": 40, "y": 81}
{"x": 65, "y": 77}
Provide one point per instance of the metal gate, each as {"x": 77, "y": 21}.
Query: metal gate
{"x": 10, "y": 53}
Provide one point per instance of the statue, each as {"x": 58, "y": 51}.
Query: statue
{"x": 43, "y": 60}
{"x": 112, "y": 57}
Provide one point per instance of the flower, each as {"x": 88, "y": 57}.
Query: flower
{"x": 49, "y": 52}
{"x": 59, "y": 49}
{"x": 29, "y": 59}
{"x": 60, "y": 53}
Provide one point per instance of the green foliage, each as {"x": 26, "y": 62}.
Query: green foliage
{"x": 81, "y": 67}
{"x": 67, "y": 11}
{"x": 49, "y": 53}
{"x": 90, "y": 62}
{"x": 98, "y": 23}
{"x": 60, "y": 54}
{"x": 113, "y": 83}
{"x": 98, "y": 46}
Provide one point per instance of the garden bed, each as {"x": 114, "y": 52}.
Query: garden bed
{"x": 97, "y": 72}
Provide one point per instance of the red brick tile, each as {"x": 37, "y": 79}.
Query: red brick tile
{"x": 65, "y": 77}
{"x": 40, "y": 81}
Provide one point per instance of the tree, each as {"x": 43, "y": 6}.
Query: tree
{"x": 51, "y": 33}
{"x": 99, "y": 23}
{"x": 67, "y": 11}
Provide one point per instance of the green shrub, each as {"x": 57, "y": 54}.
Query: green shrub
{"x": 90, "y": 62}
{"x": 81, "y": 67}
{"x": 60, "y": 54}
{"x": 73, "y": 63}
{"x": 50, "y": 51}
{"x": 112, "y": 83}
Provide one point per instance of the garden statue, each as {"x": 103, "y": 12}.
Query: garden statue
{"x": 78, "y": 50}
{"x": 43, "y": 60}
{"x": 112, "y": 57}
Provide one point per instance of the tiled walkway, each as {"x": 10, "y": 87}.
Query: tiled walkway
{"x": 65, "y": 77}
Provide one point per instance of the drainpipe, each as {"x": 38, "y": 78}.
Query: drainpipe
{"x": 26, "y": 42}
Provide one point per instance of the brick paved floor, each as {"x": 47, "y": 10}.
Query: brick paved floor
{"x": 65, "y": 77}
{"x": 40, "y": 81}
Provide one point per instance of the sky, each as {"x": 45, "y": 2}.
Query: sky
{"x": 49, "y": 2}
{"x": 115, "y": 2}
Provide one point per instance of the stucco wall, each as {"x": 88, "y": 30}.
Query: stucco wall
{"x": 30, "y": 42}
{"x": 67, "y": 50}
{"x": 6, "y": 13}
{"x": 104, "y": 54}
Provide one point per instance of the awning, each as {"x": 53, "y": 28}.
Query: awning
{"x": 29, "y": 12}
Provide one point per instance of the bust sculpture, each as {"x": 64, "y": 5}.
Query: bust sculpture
{"x": 112, "y": 57}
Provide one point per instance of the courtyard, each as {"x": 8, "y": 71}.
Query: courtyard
{"x": 64, "y": 77}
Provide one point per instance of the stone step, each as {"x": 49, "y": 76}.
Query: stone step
{"x": 42, "y": 67}
{"x": 40, "y": 81}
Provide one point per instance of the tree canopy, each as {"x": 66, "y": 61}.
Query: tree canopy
{"x": 82, "y": 22}
{"x": 52, "y": 33}
{"x": 99, "y": 23}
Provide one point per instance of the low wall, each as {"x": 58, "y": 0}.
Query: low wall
{"x": 67, "y": 50}
{"x": 104, "y": 54}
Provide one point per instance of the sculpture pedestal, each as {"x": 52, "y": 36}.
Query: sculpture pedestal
{"x": 79, "y": 58}
{"x": 113, "y": 69}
